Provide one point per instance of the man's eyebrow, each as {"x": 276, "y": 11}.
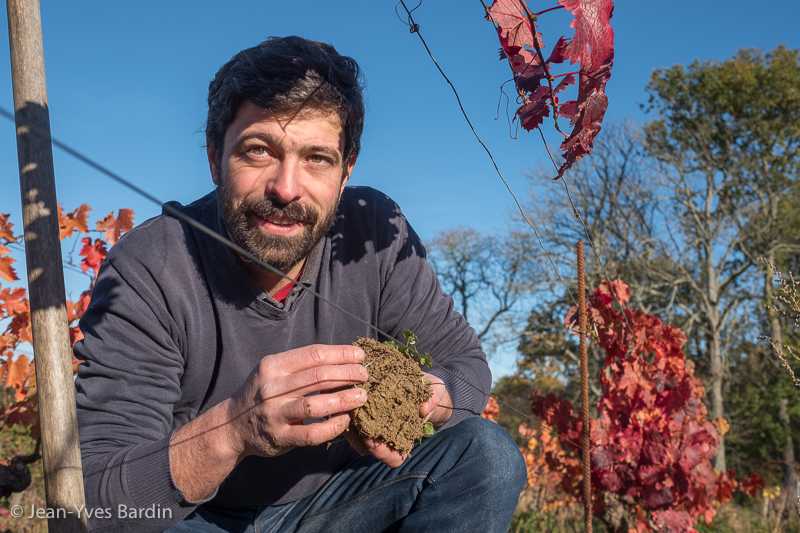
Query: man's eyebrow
{"x": 333, "y": 154}
{"x": 272, "y": 140}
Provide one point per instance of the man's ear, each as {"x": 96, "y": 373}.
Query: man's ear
{"x": 347, "y": 172}
{"x": 213, "y": 162}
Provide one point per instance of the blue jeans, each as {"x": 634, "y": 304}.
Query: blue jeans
{"x": 466, "y": 478}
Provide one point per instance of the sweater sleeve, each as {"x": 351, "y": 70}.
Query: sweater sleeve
{"x": 412, "y": 299}
{"x": 126, "y": 389}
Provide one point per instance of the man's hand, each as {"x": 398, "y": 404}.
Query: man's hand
{"x": 265, "y": 416}
{"x": 437, "y": 410}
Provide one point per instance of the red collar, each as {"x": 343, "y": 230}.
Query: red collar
{"x": 284, "y": 291}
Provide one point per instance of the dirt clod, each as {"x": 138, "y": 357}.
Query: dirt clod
{"x": 395, "y": 390}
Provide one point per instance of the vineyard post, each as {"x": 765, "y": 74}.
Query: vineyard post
{"x": 61, "y": 458}
{"x": 585, "y": 422}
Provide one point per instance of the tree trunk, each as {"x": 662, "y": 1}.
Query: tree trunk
{"x": 715, "y": 394}
{"x": 788, "y": 466}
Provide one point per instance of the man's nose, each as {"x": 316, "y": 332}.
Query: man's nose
{"x": 284, "y": 185}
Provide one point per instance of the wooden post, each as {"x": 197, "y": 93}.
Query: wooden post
{"x": 63, "y": 476}
{"x": 586, "y": 422}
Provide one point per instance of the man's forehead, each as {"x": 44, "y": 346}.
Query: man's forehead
{"x": 287, "y": 117}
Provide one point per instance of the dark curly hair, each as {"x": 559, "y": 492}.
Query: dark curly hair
{"x": 286, "y": 75}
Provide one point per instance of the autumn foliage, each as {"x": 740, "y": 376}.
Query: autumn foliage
{"x": 651, "y": 442}
{"x": 592, "y": 47}
{"x": 16, "y": 369}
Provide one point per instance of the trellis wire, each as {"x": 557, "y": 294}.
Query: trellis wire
{"x": 241, "y": 251}
{"x": 415, "y": 29}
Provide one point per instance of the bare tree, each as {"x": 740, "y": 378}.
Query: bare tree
{"x": 488, "y": 277}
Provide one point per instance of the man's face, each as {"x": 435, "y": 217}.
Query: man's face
{"x": 279, "y": 181}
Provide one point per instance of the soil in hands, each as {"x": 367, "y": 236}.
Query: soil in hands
{"x": 395, "y": 389}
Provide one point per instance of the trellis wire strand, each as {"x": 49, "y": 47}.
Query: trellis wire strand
{"x": 238, "y": 249}
{"x": 415, "y": 29}
{"x": 575, "y": 211}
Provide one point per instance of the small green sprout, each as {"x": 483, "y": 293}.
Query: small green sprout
{"x": 410, "y": 350}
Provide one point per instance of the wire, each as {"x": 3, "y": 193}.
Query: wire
{"x": 415, "y": 29}
{"x": 577, "y": 215}
{"x": 569, "y": 197}
{"x": 241, "y": 251}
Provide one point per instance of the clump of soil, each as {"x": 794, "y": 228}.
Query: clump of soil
{"x": 395, "y": 389}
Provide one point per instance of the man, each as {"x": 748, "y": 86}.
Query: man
{"x": 214, "y": 393}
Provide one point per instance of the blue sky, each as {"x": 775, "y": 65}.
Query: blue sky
{"x": 127, "y": 85}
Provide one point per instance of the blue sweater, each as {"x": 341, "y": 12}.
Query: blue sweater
{"x": 176, "y": 325}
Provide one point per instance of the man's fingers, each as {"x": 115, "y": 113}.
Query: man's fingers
{"x": 356, "y": 441}
{"x": 384, "y": 453}
{"x": 317, "y": 379}
{"x": 322, "y": 405}
{"x": 313, "y": 434}
{"x": 315, "y": 355}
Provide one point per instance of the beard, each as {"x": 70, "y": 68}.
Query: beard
{"x": 241, "y": 220}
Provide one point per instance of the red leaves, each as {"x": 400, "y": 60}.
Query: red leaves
{"x": 492, "y": 410}
{"x": 6, "y": 237}
{"x": 93, "y": 254}
{"x": 75, "y": 221}
{"x": 5, "y": 230}
{"x": 16, "y": 369}
{"x": 750, "y": 485}
{"x": 651, "y": 440}
{"x": 592, "y": 46}
{"x": 114, "y": 226}
{"x": 514, "y": 29}
{"x": 670, "y": 521}
{"x": 593, "y": 43}
{"x": 6, "y": 270}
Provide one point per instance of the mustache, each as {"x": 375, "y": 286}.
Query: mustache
{"x": 264, "y": 207}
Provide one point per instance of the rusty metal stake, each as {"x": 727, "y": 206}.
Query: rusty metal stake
{"x": 586, "y": 423}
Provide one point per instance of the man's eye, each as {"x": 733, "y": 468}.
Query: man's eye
{"x": 259, "y": 150}
{"x": 318, "y": 159}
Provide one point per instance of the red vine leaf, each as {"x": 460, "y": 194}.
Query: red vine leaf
{"x": 5, "y": 229}
{"x": 670, "y": 521}
{"x": 16, "y": 373}
{"x": 513, "y": 27}
{"x": 593, "y": 43}
{"x": 751, "y": 485}
{"x": 93, "y": 254}
{"x": 6, "y": 270}
{"x": 75, "y": 221}
{"x": 115, "y": 226}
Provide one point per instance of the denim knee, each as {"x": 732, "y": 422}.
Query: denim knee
{"x": 500, "y": 461}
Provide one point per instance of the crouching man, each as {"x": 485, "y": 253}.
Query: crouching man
{"x": 206, "y": 387}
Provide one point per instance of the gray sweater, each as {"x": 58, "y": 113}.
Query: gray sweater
{"x": 176, "y": 325}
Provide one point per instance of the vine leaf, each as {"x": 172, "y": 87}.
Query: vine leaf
{"x": 593, "y": 43}
{"x": 513, "y": 28}
{"x": 115, "y": 226}
{"x": 6, "y": 270}
{"x": 75, "y": 221}
{"x": 93, "y": 254}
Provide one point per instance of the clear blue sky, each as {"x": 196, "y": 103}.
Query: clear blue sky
{"x": 127, "y": 84}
